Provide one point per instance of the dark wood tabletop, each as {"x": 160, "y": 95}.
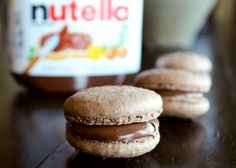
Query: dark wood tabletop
{"x": 32, "y": 125}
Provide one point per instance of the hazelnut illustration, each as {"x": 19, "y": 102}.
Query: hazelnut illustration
{"x": 110, "y": 53}
{"x": 121, "y": 51}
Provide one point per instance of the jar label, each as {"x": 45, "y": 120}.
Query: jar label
{"x": 75, "y": 37}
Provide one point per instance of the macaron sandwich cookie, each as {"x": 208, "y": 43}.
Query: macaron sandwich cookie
{"x": 182, "y": 91}
{"x": 180, "y": 84}
{"x": 188, "y": 61}
{"x": 113, "y": 121}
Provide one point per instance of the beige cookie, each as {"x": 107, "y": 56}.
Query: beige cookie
{"x": 170, "y": 79}
{"x": 186, "y": 106}
{"x": 185, "y": 60}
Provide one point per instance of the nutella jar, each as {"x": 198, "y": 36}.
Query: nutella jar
{"x": 67, "y": 45}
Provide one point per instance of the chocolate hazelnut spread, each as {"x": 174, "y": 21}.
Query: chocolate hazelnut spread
{"x": 115, "y": 132}
{"x": 165, "y": 92}
{"x": 70, "y": 45}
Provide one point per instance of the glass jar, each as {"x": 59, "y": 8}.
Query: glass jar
{"x": 64, "y": 46}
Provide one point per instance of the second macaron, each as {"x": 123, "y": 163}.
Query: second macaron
{"x": 182, "y": 91}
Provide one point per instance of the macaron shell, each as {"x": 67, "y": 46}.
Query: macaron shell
{"x": 173, "y": 79}
{"x": 113, "y": 105}
{"x": 187, "y": 108}
{"x": 116, "y": 149}
{"x": 114, "y": 121}
{"x": 185, "y": 60}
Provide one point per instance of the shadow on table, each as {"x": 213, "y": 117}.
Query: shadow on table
{"x": 182, "y": 143}
{"x": 180, "y": 146}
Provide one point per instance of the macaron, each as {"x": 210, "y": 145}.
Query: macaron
{"x": 181, "y": 91}
{"x": 113, "y": 121}
{"x": 189, "y": 61}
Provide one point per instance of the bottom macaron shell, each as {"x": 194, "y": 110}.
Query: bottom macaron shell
{"x": 188, "y": 108}
{"x": 116, "y": 149}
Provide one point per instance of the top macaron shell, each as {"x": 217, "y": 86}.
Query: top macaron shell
{"x": 185, "y": 60}
{"x": 113, "y": 105}
{"x": 171, "y": 79}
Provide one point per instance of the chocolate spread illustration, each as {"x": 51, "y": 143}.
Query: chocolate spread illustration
{"x": 69, "y": 40}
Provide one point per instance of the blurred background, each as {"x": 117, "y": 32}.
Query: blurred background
{"x": 167, "y": 26}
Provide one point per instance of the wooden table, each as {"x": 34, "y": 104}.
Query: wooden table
{"x": 32, "y": 124}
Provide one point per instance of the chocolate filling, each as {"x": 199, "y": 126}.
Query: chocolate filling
{"x": 165, "y": 92}
{"x": 179, "y": 94}
{"x": 115, "y": 132}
